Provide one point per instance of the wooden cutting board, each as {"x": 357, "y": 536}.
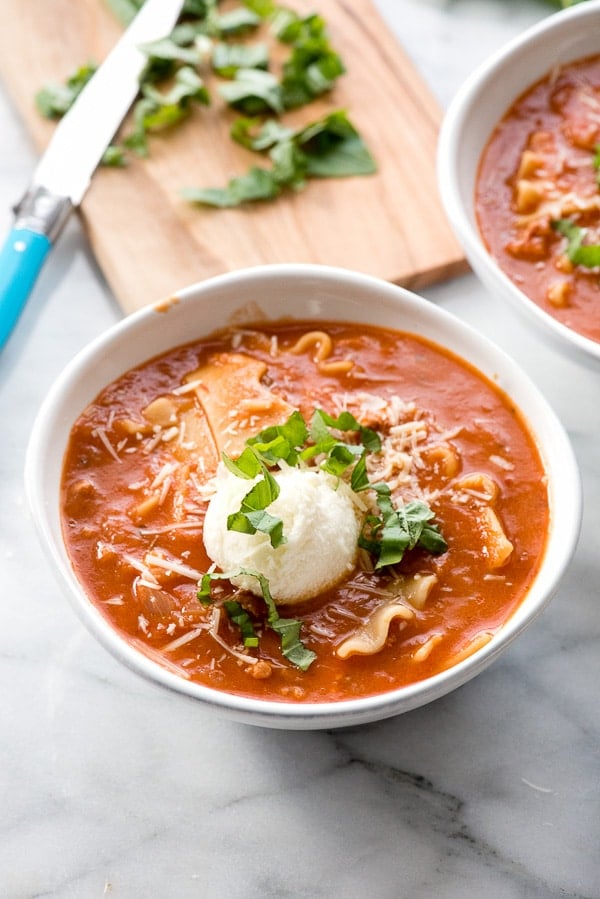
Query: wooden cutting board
{"x": 149, "y": 242}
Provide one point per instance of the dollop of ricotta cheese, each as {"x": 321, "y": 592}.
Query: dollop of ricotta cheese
{"x": 320, "y": 523}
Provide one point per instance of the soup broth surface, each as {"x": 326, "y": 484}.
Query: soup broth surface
{"x": 138, "y": 474}
{"x": 541, "y": 168}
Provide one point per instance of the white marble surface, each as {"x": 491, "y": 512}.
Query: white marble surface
{"x": 110, "y": 786}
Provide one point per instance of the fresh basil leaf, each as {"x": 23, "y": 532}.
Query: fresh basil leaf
{"x": 240, "y": 617}
{"x": 262, "y": 494}
{"x": 288, "y": 168}
{"x": 227, "y": 59}
{"x": 256, "y": 184}
{"x": 281, "y": 442}
{"x": 288, "y": 629}
{"x": 114, "y": 157}
{"x": 345, "y": 421}
{"x": 262, "y": 8}
{"x": 330, "y": 146}
{"x": 341, "y": 456}
{"x": 247, "y": 465}
{"x": 334, "y": 149}
{"x": 306, "y": 77}
{"x": 168, "y": 49}
{"x": 398, "y": 530}
{"x": 157, "y": 110}
{"x": 313, "y": 66}
{"x": 258, "y": 521}
{"x": 359, "y": 479}
{"x": 54, "y": 100}
{"x": 587, "y": 255}
{"x": 257, "y": 134}
{"x": 252, "y": 517}
{"x": 237, "y": 21}
{"x": 188, "y": 87}
{"x": 253, "y": 91}
{"x": 432, "y": 540}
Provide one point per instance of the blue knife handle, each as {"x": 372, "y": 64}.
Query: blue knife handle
{"x": 40, "y": 217}
{"x": 21, "y": 259}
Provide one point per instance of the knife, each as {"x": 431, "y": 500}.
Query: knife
{"x": 64, "y": 172}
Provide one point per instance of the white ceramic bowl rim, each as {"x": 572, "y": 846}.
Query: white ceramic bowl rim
{"x": 561, "y": 34}
{"x": 44, "y": 461}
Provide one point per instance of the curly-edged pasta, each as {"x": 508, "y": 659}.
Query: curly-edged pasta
{"x": 323, "y": 347}
{"x": 372, "y": 635}
{"x": 497, "y": 546}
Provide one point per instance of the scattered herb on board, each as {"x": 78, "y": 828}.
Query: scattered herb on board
{"x": 206, "y": 39}
{"x": 331, "y": 147}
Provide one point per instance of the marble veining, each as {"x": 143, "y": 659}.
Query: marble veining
{"x": 112, "y": 787}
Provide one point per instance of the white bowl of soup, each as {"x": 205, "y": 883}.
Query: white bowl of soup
{"x": 518, "y": 174}
{"x": 302, "y": 497}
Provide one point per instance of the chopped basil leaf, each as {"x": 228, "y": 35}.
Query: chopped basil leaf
{"x": 263, "y": 8}
{"x": 313, "y": 65}
{"x": 329, "y": 147}
{"x": 345, "y": 421}
{"x": 256, "y": 184}
{"x": 397, "y": 530}
{"x": 281, "y": 441}
{"x": 288, "y": 629}
{"x": 359, "y": 479}
{"x": 247, "y": 465}
{"x": 237, "y": 21}
{"x": 252, "y": 517}
{"x": 54, "y": 100}
{"x": 253, "y": 91}
{"x": 587, "y": 255}
{"x": 238, "y": 614}
{"x": 257, "y": 134}
{"x": 126, "y": 10}
{"x": 167, "y": 48}
{"x": 333, "y": 148}
{"x": 227, "y": 59}
{"x": 114, "y": 157}
{"x": 188, "y": 87}
{"x": 157, "y": 110}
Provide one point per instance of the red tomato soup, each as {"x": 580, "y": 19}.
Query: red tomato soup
{"x": 538, "y": 195}
{"x": 439, "y": 558}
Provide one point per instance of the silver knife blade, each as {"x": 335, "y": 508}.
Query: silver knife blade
{"x": 83, "y": 134}
{"x": 66, "y": 168}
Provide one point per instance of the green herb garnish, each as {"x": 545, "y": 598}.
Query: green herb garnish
{"x": 288, "y": 629}
{"x": 587, "y": 255}
{"x": 238, "y": 614}
{"x": 54, "y": 100}
{"x": 237, "y": 21}
{"x": 396, "y": 530}
{"x": 329, "y": 147}
{"x": 252, "y": 515}
{"x": 228, "y": 59}
{"x": 387, "y": 536}
{"x": 157, "y": 110}
{"x": 313, "y": 66}
{"x": 253, "y": 91}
